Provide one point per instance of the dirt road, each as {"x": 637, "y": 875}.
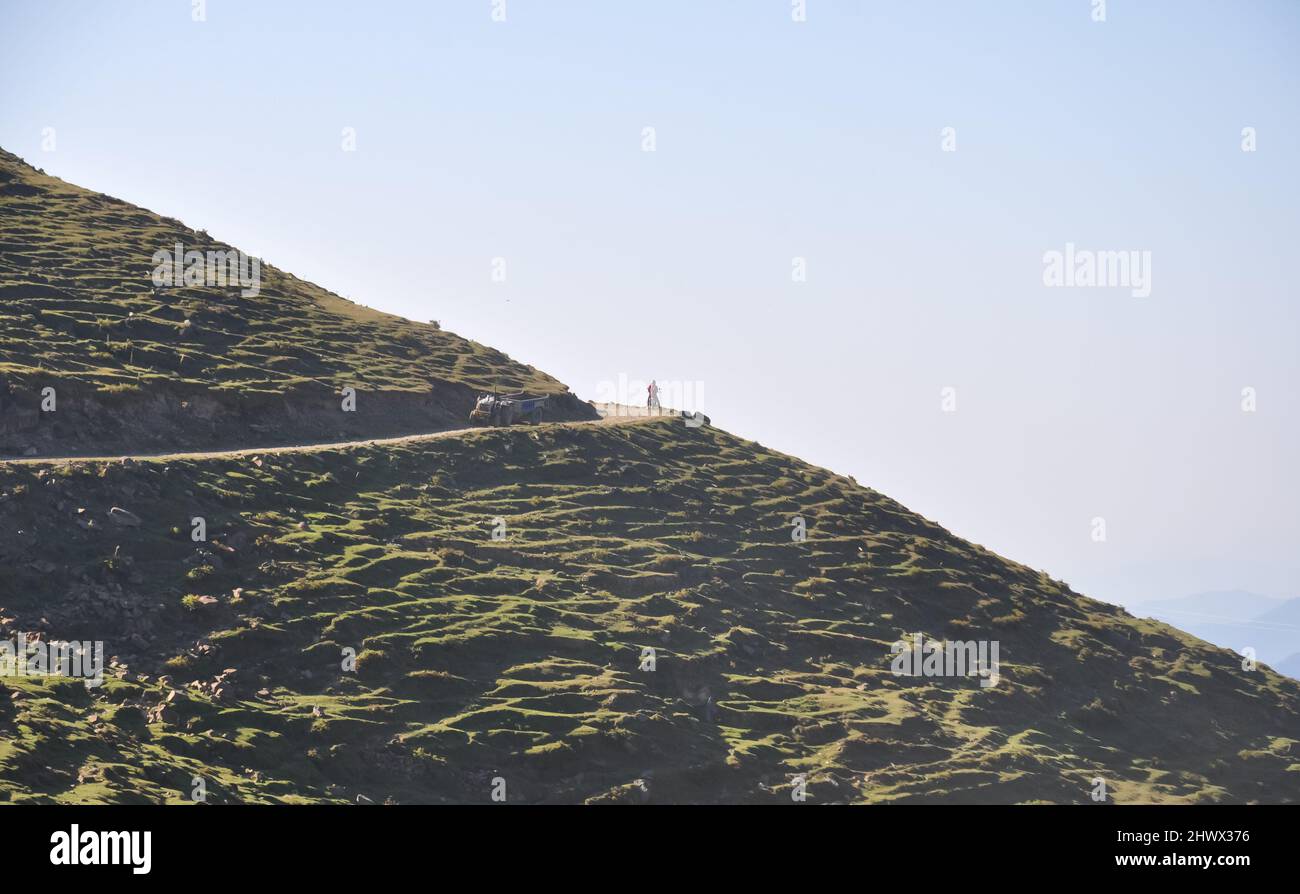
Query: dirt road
{"x": 611, "y": 414}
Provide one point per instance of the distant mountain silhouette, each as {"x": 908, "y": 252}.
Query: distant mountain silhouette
{"x": 1224, "y": 605}
{"x": 1237, "y": 620}
{"x": 1290, "y": 666}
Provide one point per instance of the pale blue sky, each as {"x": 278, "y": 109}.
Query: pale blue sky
{"x": 778, "y": 140}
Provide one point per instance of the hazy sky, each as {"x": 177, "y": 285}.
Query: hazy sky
{"x": 775, "y": 140}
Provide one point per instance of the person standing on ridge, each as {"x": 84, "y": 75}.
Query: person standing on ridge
{"x": 652, "y": 402}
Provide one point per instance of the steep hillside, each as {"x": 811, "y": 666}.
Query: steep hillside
{"x": 617, "y": 610}
{"x": 141, "y": 367}
{"x": 524, "y": 658}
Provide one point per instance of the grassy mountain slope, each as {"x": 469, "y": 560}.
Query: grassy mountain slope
{"x": 522, "y": 658}
{"x": 200, "y": 366}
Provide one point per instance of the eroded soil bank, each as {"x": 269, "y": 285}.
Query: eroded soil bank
{"x": 85, "y": 421}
